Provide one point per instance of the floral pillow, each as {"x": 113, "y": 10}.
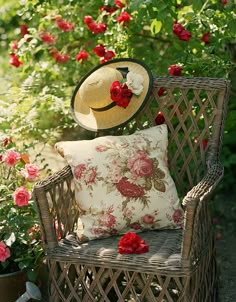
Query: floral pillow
{"x": 123, "y": 183}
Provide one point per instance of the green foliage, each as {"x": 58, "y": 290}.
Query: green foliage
{"x": 40, "y": 106}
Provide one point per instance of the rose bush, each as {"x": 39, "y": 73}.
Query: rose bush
{"x": 20, "y": 239}
{"x": 51, "y": 46}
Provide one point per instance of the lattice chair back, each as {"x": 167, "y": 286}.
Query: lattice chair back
{"x": 194, "y": 110}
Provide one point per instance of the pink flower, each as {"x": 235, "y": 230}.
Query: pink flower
{"x": 47, "y": 38}
{"x": 175, "y": 70}
{"x": 99, "y": 50}
{"x": 30, "y": 172}
{"x": 124, "y": 17}
{"x": 205, "y": 38}
{"x": 14, "y": 60}
{"x": 79, "y": 170}
{"x": 64, "y": 26}
{"x": 61, "y": 58}
{"x": 128, "y": 189}
{"x": 21, "y": 196}
{"x": 148, "y": 219}
{"x": 88, "y": 19}
{"x": 14, "y": 45}
{"x": 177, "y": 216}
{"x": 90, "y": 176}
{"x": 4, "y": 252}
{"x": 140, "y": 165}
{"x": 82, "y": 55}
{"x": 11, "y": 157}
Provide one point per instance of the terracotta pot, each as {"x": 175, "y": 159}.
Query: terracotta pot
{"x": 12, "y": 286}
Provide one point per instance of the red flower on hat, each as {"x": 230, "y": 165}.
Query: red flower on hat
{"x": 131, "y": 243}
{"x": 120, "y": 94}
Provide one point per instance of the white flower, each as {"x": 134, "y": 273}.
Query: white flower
{"x": 134, "y": 82}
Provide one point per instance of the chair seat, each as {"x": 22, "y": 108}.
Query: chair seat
{"x": 164, "y": 252}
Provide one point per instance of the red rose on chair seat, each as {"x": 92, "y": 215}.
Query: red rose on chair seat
{"x": 128, "y": 189}
{"x": 131, "y": 243}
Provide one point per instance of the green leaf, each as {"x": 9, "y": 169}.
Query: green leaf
{"x": 156, "y": 26}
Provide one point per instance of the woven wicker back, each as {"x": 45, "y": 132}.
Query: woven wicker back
{"x": 193, "y": 109}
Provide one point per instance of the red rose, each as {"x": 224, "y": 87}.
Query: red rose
{"x": 64, "y": 26}
{"x": 131, "y": 243}
{"x": 205, "y": 38}
{"x": 177, "y": 28}
{"x": 184, "y": 35}
{"x": 128, "y": 189}
{"x": 99, "y": 50}
{"x": 101, "y": 28}
{"x": 92, "y": 26}
{"x": 124, "y": 17}
{"x": 88, "y": 19}
{"x": 120, "y": 3}
{"x": 109, "y": 55}
{"x": 11, "y": 157}
{"x": 108, "y": 9}
{"x": 175, "y": 70}
{"x": 159, "y": 119}
{"x": 14, "y": 60}
{"x": 60, "y": 58}
{"x": 161, "y": 91}
{"x": 204, "y": 143}
{"x": 47, "y": 38}
{"x": 120, "y": 94}
{"x": 24, "y": 30}
{"x": 4, "y": 252}
{"x": 82, "y": 55}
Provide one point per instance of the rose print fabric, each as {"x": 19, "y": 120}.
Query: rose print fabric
{"x": 123, "y": 183}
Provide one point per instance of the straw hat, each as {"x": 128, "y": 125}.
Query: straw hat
{"x": 95, "y": 103}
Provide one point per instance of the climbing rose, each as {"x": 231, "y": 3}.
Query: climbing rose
{"x": 11, "y": 158}
{"x": 120, "y": 3}
{"x": 82, "y": 55}
{"x": 24, "y": 30}
{"x": 47, "y": 38}
{"x": 88, "y": 19}
{"x": 131, "y": 243}
{"x": 109, "y": 55}
{"x": 4, "y": 252}
{"x": 108, "y": 9}
{"x": 30, "y": 172}
{"x": 60, "y": 58}
{"x": 124, "y": 17}
{"x": 180, "y": 32}
{"x": 14, "y": 60}
{"x": 224, "y": 1}
{"x": 99, "y": 50}
{"x": 21, "y": 196}
{"x": 175, "y": 70}
{"x": 159, "y": 119}
{"x": 64, "y": 26}
{"x": 205, "y": 38}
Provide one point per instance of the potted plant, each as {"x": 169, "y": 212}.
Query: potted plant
{"x": 20, "y": 241}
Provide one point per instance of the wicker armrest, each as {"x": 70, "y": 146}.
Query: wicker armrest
{"x": 197, "y": 226}
{"x": 206, "y": 185}
{"x": 54, "y": 198}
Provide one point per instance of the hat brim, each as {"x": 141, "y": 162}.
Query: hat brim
{"x": 116, "y": 116}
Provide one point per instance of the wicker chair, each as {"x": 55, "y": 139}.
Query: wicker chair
{"x": 182, "y": 266}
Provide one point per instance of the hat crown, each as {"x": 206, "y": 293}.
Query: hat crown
{"x": 95, "y": 90}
